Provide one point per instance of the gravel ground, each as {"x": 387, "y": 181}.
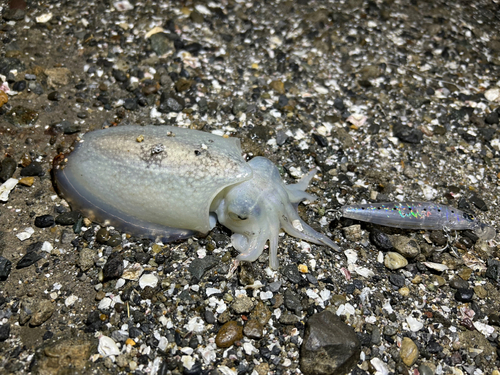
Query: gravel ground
{"x": 392, "y": 100}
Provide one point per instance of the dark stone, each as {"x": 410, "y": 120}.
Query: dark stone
{"x": 397, "y": 280}
{"x": 320, "y": 140}
{"x": 68, "y": 218}
{"x": 338, "y": 103}
{"x": 119, "y": 75}
{"x": 54, "y": 96}
{"x": 406, "y": 134}
{"x": 433, "y": 347}
{"x": 170, "y": 103}
{"x": 458, "y": 283}
{"x": 161, "y": 43}
{"x": 29, "y": 259}
{"x": 329, "y": 347}
{"x": 34, "y": 169}
{"x": 113, "y": 268}
{"x": 19, "y": 86}
{"x": 493, "y": 270}
{"x": 5, "y": 267}
{"x": 494, "y": 319}
{"x": 282, "y": 101}
{"x": 4, "y": 331}
{"x": 281, "y": 137}
{"x": 35, "y": 246}
{"x": 464, "y": 294}
{"x": 239, "y": 105}
{"x": 7, "y": 168}
{"x": 102, "y": 236}
{"x": 209, "y": 317}
{"x": 293, "y": 302}
{"x": 142, "y": 258}
{"x": 478, "y": 202}
{"x": 199, "y": 266}
{"x": 10, "y": 63}
{"x": 381, "y": 240}
{"x": 438, "y": 237}
{"x": 66, "y": 127}
{"x": 130, "y": 104}
{"x": 44, "y": 221}
{"x": 291, "y": 272}
{"x": 14, "y": 15}
{"x": 491, "y": 118}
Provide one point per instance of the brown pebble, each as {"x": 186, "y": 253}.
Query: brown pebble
{"x": 253, "y": 329}
{"x": 103, "y": 87}
{"x": 27, "y": 181}
{"x": 25, "y": 160}
{"x": 4, "y": 98}
{"x": 261, "y": 313}
{"x": 100, "y": 295}
{"x": 228, "y": 334}
{"x": 278, "y": 86}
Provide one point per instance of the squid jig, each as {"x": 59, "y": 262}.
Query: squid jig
{"x": 417, "y": 215}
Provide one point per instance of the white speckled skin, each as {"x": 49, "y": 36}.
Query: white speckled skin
{"x": 166, "y": 186}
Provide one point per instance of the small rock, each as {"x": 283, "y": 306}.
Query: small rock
{"x": 394, "y": 261}
{"x": 43, "y": 311}
{"x": 7, "y": 168}
{"x": 58, "y": 77}
{"x": 478, "y": 202}
{"x": 19, "y": 86}
{"x": 381, "y": 240}
{"x": 119, "y": 75}
{"x": 408, "y": 352}
{"x": 288, "y": 318}
{"x": 27, "y": 181}
{"x": 397, "y": 280}
{"x": 293, "y": 302}
{"x": 200, "y": 265}
{"x": 161, "y": 44}
{"x": 4, "y": 331}
{"x": 464, "y": 295}
{"x": 407, "y": 247}
{"x": 253, "y": 329}
{"x": 458, "y": 283}
{"x": 68, "y": 218}
{"x": 113, "y": 268}
{"x": 278, "y": 86}
{"x": 130, "y": 104}
{"x": 261, "y": 313}
{"x": 27, "y": 260}
{"x": 86, "y": 259}
{"x": 353, "y": 233}
{"x": 329, "y": 347}
{"x": 54, "y": 96}
{"x": 228, "y": 334}
{"x": 407, "y": 134}
{"x": 5, "y": 267}
{"x": 239, "y": 105}
{"x": 291, "y": 272}
{"x": 425, "y": 370}
{"x": 242, "y": 305}
{"x": 44, "y": 221}
{"x": 34, "y": 169}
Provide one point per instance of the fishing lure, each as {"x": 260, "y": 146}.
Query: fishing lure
{"x": 417, "y": 215}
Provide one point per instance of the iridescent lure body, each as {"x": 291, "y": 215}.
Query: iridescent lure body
{"x": 418, "y": 215}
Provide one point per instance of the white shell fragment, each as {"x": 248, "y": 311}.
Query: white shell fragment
{"x": 6, "y": 188}
{"x": 107, "y": 347}
{"x": 493, "y": 95}
{"x": 414, "y": 324}
{"x": 436, "y": 266}
{"x": 148, "y": 280}
{"x": 123, "y": 5}
{"x": 25, "y": 234}
{"x": 46, "y": 17}
{"x": 70, "y": 301}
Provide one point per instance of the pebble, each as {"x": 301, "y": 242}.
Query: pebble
{"x": 394, "y": 261}
{"x": 161, "y": 44}
{"x": 228, "y": 334}
{"x": 199, "y": 266}
{"x": 408, "y": 352}
{"x": 481, "y": 291}
{"x": 113, "y": 268}
{"x": 54, "y": 96}
{"x": 27, "y": 260}
{"x": 7, "y": 168}
{"x": 397, "y": 280}
{"x": 253, "y": 329}
{"x": 291, "y": 272}
{"x": 261, "y": 313}
{"x": 381, "y": 240}
{"x": 34, "y": 169}
{"x": 27, "y": 181}
{"x": 5, "y": 267}
{"x": 43, "y": 311}
{"x": 464, "y": 294}
{"x": 4, "y": 331}
{"x": 353, "y": 233}
{"x": 458, "y": 283}
{"x": 293, "y": 302}
{"x": 68, "y": 218}
{"x": 19, "y": 86}
{"x": 425, "y": 370}
{"x": 407, "y": 247}
{"x": 242, "y": 305}
{"x": 44, "y": 221}
{"x": 86, "y": 259}
{"x": 330, "y": 346}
